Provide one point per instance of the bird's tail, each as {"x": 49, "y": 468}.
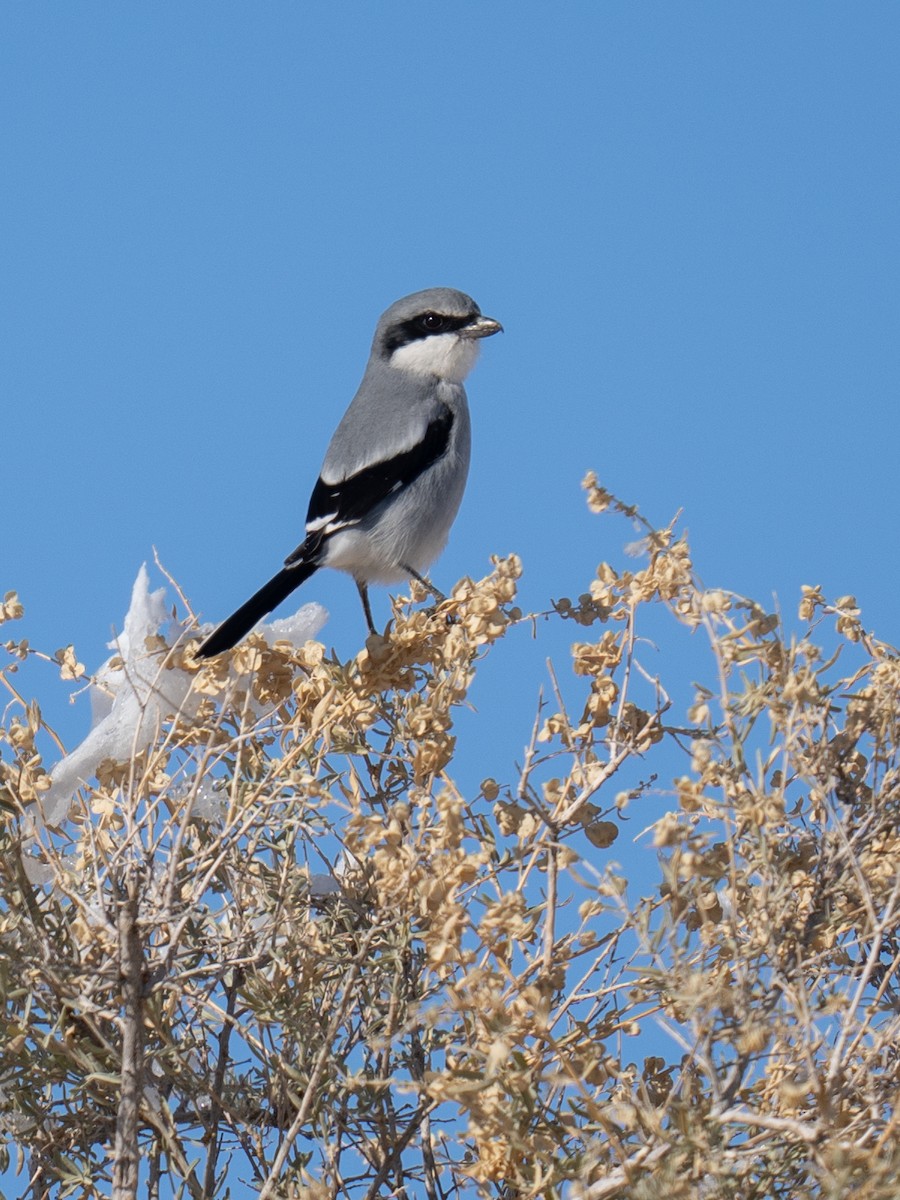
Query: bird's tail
{"x": 230, "y": 632}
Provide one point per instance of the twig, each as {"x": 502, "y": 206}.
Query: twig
{"x": 309, "y": 1095}
{"x": 215, "y": 1111}
{"x": 126, "y": 1155}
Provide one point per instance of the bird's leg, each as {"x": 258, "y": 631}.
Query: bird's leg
{"x": 364, "y": 596}
{"x": 428, "y": 586}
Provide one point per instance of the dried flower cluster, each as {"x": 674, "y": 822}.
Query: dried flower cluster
{"x": 279, "y": 949}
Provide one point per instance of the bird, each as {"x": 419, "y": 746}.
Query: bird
{"x": 395, "y": 470}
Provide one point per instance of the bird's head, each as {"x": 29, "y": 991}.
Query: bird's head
{"x": 435, "y": 333}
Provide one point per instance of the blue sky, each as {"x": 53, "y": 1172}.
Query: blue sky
{"x": 685, "y": 215}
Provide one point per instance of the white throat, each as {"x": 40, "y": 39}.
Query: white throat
{"x": 446, "y": 355}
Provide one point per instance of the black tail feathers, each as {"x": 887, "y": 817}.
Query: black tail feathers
{"x": 230, "y": 632}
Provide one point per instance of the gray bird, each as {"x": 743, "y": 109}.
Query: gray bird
{"x": 394, "y": 473}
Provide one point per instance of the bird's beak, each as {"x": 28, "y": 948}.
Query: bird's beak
{"x": 481, "y": 327}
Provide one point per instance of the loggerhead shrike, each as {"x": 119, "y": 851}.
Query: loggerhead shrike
{"x": 395, "y": 470}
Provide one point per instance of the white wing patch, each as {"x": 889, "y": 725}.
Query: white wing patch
{"x": 319, "y": 523}
{"x": 331, "y": 523}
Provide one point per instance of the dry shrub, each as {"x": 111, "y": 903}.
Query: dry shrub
{"x": 281, "y": 951}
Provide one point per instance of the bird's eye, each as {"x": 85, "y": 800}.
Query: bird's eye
{"x": 432, "y": 322}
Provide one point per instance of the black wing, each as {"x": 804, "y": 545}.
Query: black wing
{"x": 335, "y": 505}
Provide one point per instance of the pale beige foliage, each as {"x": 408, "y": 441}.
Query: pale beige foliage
{"x": 284, "y": 944}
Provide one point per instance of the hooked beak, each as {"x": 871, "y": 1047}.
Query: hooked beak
{"x": 481, "y": 327}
